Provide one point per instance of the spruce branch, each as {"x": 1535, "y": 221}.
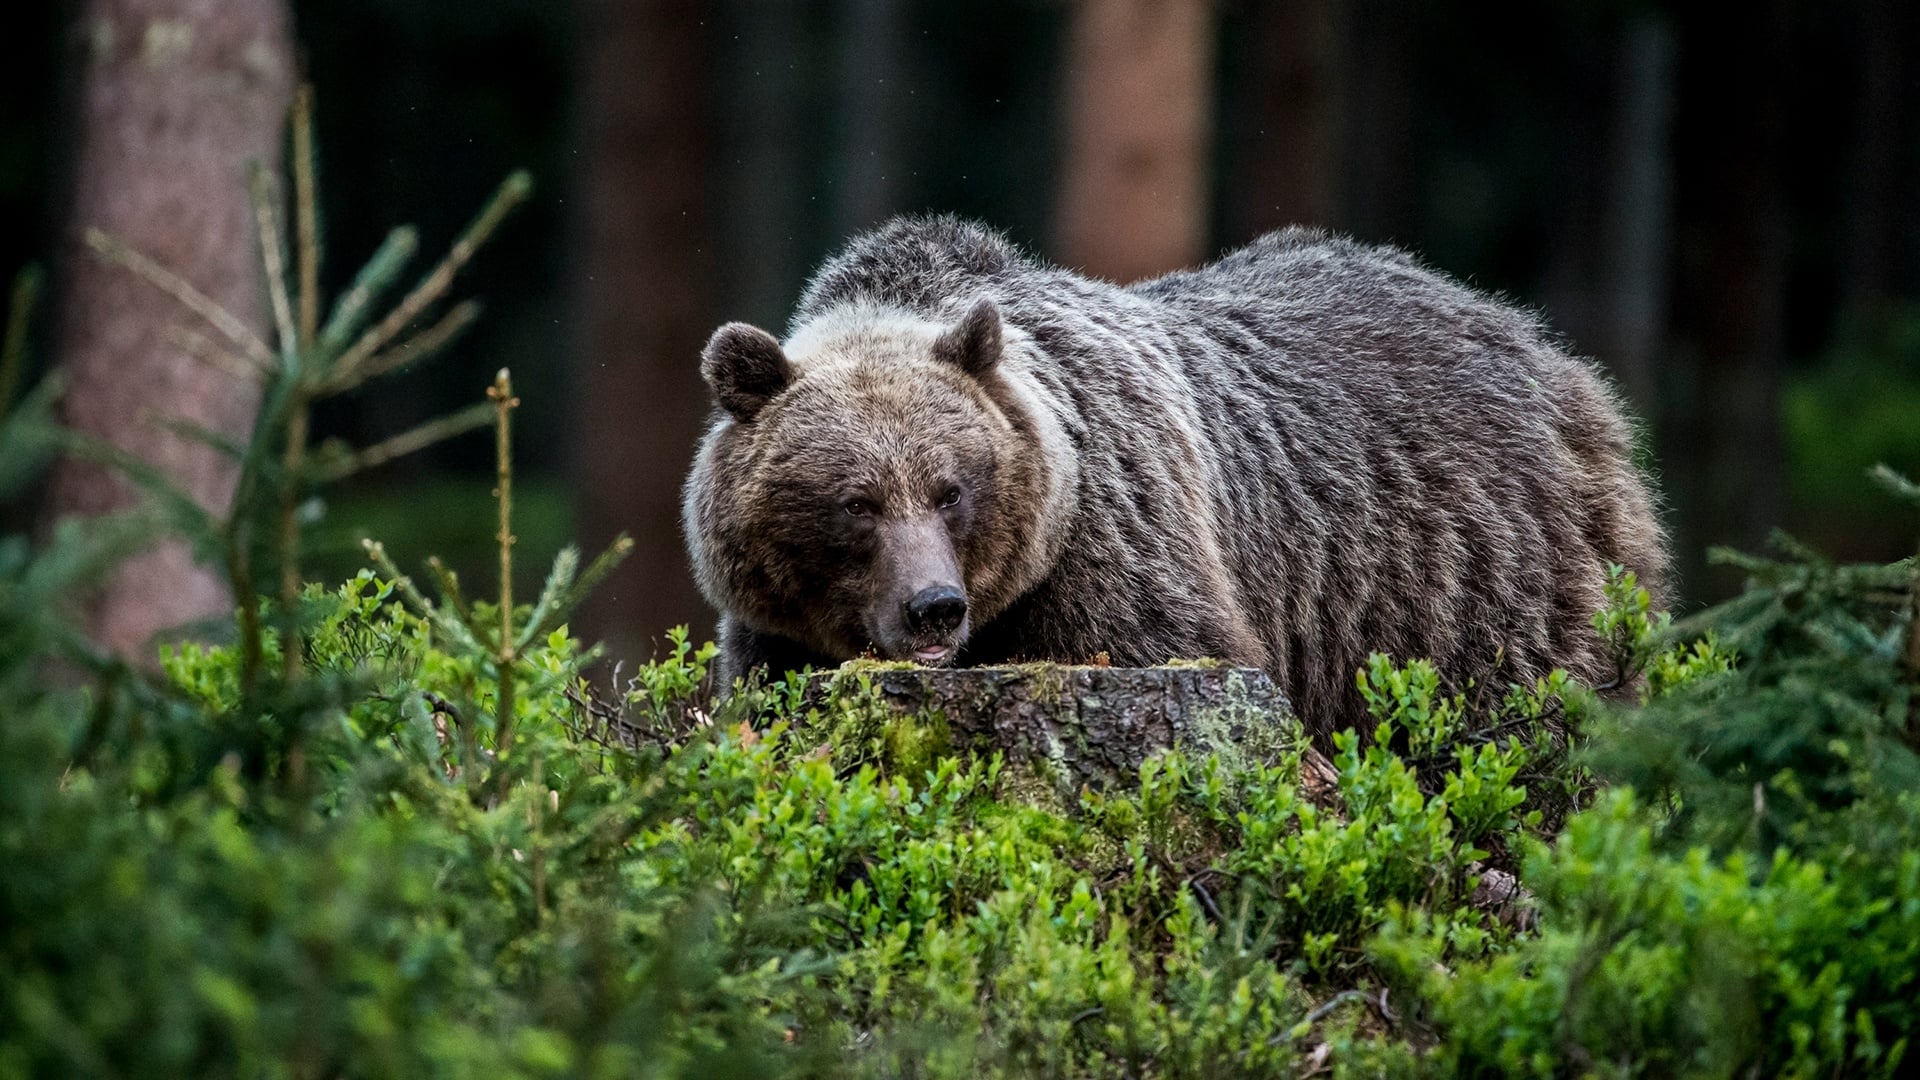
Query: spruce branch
{"x": 408, "y": 352}
{"x": 220, "y": 443}
{"x": 560, "y": 578}
{"x": 350, "y": 312}
{"x": 431, "y": 288}
{"x": 186, "y": 514}
{"x": 340, "y": 463}
{"x": 455, "y": 631}
{"x": 292, "y": 463}
{"x": 306, "y": 215}
{"x": 505, "y": 655}
{"x": 577, "y": 591}
{"x": 13, "y": 352}
{"x": 273, "y": 261}
{"x": 116, "y": 251}
{"x": 199, "y": 347}
{"x": 450, "y": 593}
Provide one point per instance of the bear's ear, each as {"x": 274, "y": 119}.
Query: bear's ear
{"x": 746, "y": 367}
{"x": 973, "y": 343}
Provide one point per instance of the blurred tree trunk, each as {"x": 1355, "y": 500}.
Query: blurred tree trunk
{"x": 874, "y": 77}
{"x": 1636, "y": 222}
{"x": 765, "y": 120}
{"x": 1725, "y": 450}
{"x": 1382, "y": 200}
{"x": 174, "y": 98}
{"x": 1289, "y": 144}
{"x": 645, "y": 290}
{"x": 1139, "y": 113}
{"x": 1872, "y": 224}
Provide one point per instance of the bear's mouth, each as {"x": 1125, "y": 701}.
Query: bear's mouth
{"x": 933, "y": 654}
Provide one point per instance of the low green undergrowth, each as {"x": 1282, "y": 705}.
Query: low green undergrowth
{"x": 657, "y": 883}
{"x": 385, "y": 830}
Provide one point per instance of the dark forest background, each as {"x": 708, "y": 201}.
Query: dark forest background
{"x": 1721, "y": 208}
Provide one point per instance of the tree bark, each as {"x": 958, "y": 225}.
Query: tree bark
{"x": 175, "y": 97}
{"x": 1133, "y": 200}
{"x": 645, "y": 290}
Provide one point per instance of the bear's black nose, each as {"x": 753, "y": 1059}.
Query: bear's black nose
{"x": 936, "y": 610}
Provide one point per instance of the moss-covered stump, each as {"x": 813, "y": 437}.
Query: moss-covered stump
{"x": 1093, "y": 725}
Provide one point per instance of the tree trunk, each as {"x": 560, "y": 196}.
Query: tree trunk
{"x": 1635, "y": 242}
{"x": 175, "y": 97}
{"x": 645, "y": 290}
{"x": 1289, "y": 140}
{"x": 873, "y": 105}
{"x": 1726, "y": 454}
{"x": 766, "y": 119}
{"x": 1382, "y": 198}
{"x": 1139, "y": 124}
{"x": 1096, "y": 725}
{"x": 1872, "y": 223}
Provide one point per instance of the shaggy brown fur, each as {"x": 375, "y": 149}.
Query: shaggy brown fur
{"x": 1306, "y": 451}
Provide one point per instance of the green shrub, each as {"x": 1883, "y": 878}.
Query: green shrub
{"x": 379, "y": 833}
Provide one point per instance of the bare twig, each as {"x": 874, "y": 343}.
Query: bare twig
{"x": 116, "y": 251}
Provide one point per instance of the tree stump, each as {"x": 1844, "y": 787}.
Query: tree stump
{"x": 1094, "y": 725}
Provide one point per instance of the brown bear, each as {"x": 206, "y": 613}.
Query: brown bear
{"x": 1306, "y": 451}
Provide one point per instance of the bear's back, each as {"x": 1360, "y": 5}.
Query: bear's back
{"x": 1375, "y": 456}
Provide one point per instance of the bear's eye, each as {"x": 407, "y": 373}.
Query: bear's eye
{"x": 949, "y": 497}
{"x": 857, "y": 508}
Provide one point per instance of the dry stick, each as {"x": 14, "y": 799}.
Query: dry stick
{"x": 13, "y": 354}
{"x": 505, "y": 655}
{"x": 511, "y": 193}
{"x": 116, "y": 251}
{"x": 306, "y": 215}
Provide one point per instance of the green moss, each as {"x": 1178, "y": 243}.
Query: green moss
{"x": 911, "y": 743}
{"x": 1242, "y": 733}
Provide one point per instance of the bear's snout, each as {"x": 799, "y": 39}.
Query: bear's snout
{"x": 938, "y": 609}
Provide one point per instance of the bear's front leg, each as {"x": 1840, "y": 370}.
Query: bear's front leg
{"x": 742, "y": 649}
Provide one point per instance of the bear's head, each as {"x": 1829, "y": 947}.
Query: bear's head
{"x": 882, "y": 481}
